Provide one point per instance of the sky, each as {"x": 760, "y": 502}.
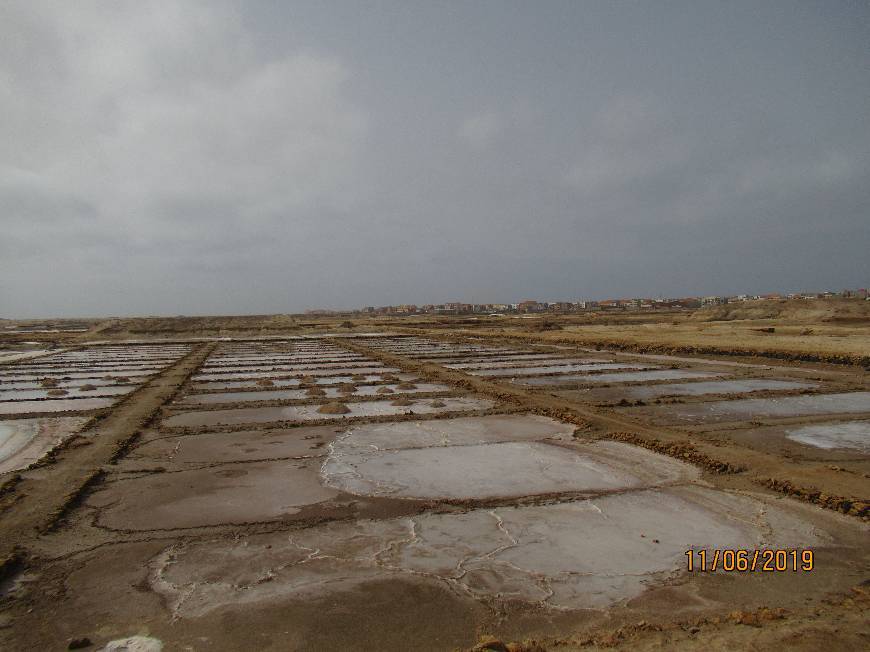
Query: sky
{"x": 259, "y": 157}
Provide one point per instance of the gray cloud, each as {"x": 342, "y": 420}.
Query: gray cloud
{"x": 171, "y": 157}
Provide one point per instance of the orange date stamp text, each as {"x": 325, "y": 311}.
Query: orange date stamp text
{"x": 757, "y": 560}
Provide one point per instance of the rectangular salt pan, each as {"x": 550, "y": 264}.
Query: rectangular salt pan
{"x": 62, "y": 384}
{"x": 85, "y": 374}
{"x": 26, "y": 394}
{"x": 310, "y": 413}
{"x": 630, "y": 377}
{"x": 787, "y": 406}
{"x": 523, "y": 364}
{"x": 850, "y": 434}
{"x": 294, "y": 394}
{"x": 305, "y": 372}
{"x": 55, "y": 405}
{"x": 716, "y": 387}
{"x": 24, "y": 441}
{"x": 552, "y": 369}
{"x": 294, "y": 382}
{"x": 276, "y": 362}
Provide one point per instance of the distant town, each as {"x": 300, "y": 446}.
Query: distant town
{"x": 529, "y": 306}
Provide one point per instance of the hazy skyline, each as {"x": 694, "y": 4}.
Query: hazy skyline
{"x": 268, "y": 157}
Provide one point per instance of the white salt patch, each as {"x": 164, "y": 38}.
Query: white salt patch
{"x": 851, "y": 434}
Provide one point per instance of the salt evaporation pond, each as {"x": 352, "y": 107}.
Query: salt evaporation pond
{"x": 24, "y": 441}
{"x": 519, "y": 357}
{"x": 306, "y": 372}
{"x": 62, "y": 384}
{"x": 242, "y": 493}
{"x": 586, "y": 554}
{"x": 85, "y": 374}
{"x": 310, "y": 413}
{"x": 294, "y": 382}
{"x": 849, "y": 434}
{"x": 297, "y": 394}
{"x": 628, "y": 377}
{"x": 243, "y": 446}
{"x": 520, "y": 365}
{"x": 490, "y": 470}
{"x": 552, "y": 369}
{"x": 716, "y": 387}
{"x": 103, "y": 390}
{"x": 787, "y": 406}
{"x": 458, "y": 431}
{"x": 55, "y": 405}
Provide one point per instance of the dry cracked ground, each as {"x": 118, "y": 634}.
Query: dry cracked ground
{"x": 390, "y": 491}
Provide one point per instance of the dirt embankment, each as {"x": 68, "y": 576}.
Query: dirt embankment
{"x": 850, "y": 349}
{"x": 198, "y": 326}
{"x": 790, "y": 310}
{"x": 837, "y": 623}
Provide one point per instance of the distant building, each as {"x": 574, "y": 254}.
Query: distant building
{"x": 528, "y": 305}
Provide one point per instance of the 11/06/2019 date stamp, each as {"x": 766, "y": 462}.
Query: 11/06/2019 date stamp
{"x": 740, "y": 561}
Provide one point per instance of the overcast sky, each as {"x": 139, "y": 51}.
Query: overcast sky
{"x": 261, "y": 157}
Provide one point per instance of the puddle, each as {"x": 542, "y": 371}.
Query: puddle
{"x": 238, "y": 493}
{"x": 628, "y": 377}
{"x": 310, "y": 413}
{"x": 587, "y": 554}
{"x": 55, "y": 405}
{"x": 851, "y": 434}
{"x": 24, "y": 441}
{"x": 786, "y": 406}
{"x": 495, "y": 470}
{"x": 291, "y": 394}
{"x": 716, "y": 387}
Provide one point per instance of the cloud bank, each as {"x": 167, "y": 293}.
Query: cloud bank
{"x": 183, "y": 157}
